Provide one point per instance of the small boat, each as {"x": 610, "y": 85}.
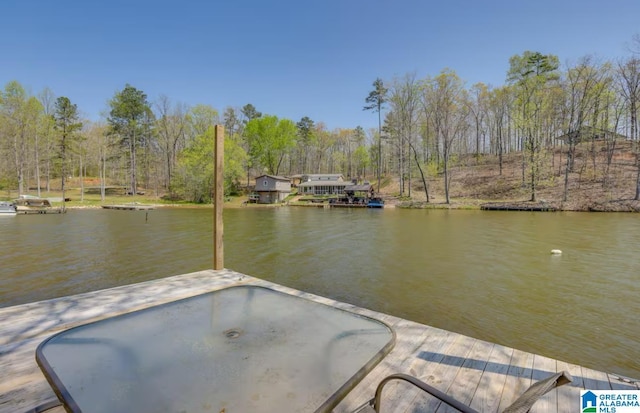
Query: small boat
{"x": 7, "y": 208}
{"x": 375, "y": 203}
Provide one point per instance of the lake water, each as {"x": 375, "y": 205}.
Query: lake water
{"x": 484, "y": 274}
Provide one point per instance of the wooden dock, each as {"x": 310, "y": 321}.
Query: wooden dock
{"x": 518, "y": 207}
{"x": 486, "y": 376}
{"x": 347, "y": 205}
{"x": 35, "y": 211}
{"x": 130, "y": 207}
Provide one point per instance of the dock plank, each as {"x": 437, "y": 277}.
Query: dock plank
{"x": 402, "y": 395}
{"x": 130, "y": 207}
{"x": 489, "y": 392}
{"x": 622, "y": 383}
{"x": 544, "y": 367}
{"x": 518, "y": 377}
{"x": 397, "y": 361}
{"x": 595, "y": 380}
{"x": 569, "y": 395}
{"x": 470, "y": 374}
{"x": 441, "y": 375}
{"x": 484, "y": 375}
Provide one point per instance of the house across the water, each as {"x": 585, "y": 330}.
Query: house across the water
{"x": 271, "y": 189}
{"x": 322, "y": 184}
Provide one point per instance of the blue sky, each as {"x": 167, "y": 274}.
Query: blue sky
{"x": 290, "y": 58}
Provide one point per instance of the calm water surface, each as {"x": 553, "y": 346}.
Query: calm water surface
{"x": 484, "y": 274}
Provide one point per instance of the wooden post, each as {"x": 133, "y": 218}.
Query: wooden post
{"x": 218, "y": 201}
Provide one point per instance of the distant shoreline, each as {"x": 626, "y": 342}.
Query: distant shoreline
{"x": 510, "y": 206}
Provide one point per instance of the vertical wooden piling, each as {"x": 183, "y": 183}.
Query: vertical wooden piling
{"x": 218, "y": 201}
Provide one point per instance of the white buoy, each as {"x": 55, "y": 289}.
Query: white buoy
{"x": 556, "y": 252}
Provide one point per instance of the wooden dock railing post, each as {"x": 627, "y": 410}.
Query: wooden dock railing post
{"x": 218, "y": 201}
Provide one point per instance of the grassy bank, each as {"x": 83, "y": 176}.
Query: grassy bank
{"x": 597, "y": 183}
{"x": 77, "y": 200}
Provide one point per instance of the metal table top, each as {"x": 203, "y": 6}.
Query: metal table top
{"x": 238, "y": 349}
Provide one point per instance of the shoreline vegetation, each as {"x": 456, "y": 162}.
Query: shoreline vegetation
{"x": 552, "y": 137}
{"x": 475, "y": 182}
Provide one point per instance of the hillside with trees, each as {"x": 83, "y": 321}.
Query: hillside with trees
{"x": 566, "y": 135}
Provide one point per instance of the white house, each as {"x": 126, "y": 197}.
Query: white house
{"x": 322, "y": 184}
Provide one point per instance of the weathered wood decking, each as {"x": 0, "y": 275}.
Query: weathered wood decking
{"x": 129, "y": 207}
{"x": 486, "y": 376}
{"x": 525, "y": 206}
{"x": 33, "y": 211}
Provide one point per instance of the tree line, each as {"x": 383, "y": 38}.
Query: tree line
{"x": 430, "y": 123}
{"x": 425, "y": 128}
{"x": 160, "y": 146}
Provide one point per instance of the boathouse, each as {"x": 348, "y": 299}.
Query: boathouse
{"x": 322, "y": 184}
{"x": 354, "y": 195}
{"x": 272, "y": 189}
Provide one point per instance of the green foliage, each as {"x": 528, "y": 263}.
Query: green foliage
{"x": 532, "y": 65}
{"x": 250, "y": 112}
{"x": 13, "y": 96}
{"x": 340, "y": 159}
{"x": 127, "y": 110}
{"x": 377, "y": 97}
{"x": 429, "y": 123}
{"x": 235, "y": 157}
{"x": 270, "y": 139}
{"x": 232, "y": 124}
{"x": 67, "y": 124}
{"x": 454, "y": 159}
{"x": 20, "y": 116}
{"x": 130, "y": 120}
{"x": 359, "y": 135}
{"x": 305, "y": 131}
{"x": 7, "y": 182}
{"x": 67, "y": 120}
{"x": 433, "y": 168}
{"x": 201, "y": 118}
{"x": 194, "y": 177}
{"x": 361, "y": 158}
{"x": 533, "y": 76}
